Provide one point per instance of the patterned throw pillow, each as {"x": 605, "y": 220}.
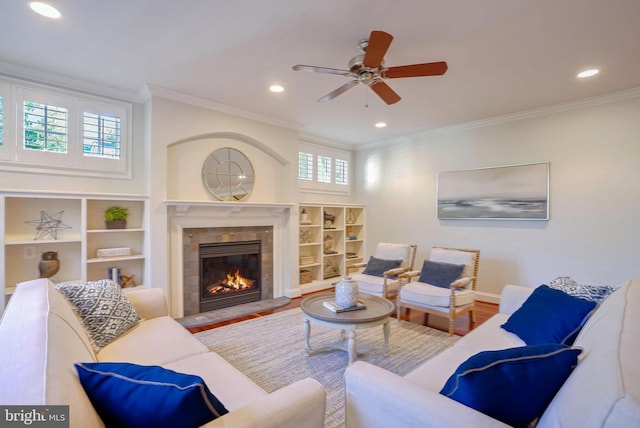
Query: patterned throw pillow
{"x": 105, "y": 312}
{"x": 591, "y": 293}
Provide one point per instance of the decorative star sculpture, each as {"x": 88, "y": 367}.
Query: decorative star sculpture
{"x": 48, "y": 225}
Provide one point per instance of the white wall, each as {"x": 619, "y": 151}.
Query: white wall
{"x": 181, "y": 136}
{"x": 593, "y": 231}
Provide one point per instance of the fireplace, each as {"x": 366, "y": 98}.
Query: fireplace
{"x": 230, "y": 274}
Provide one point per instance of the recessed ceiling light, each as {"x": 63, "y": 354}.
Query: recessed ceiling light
{"x": 45, "y": 9}
{"x": 276, "y": 88}
{"x": 588, "y": 73}
{"x": 380, "y": 125}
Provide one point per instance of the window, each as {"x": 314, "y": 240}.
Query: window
{"x": 63, "y": 132}
{"x": 342, "y": 171}
{"x": 324, "y": 169}
{"x": 101, "y": 135}
{"x": 305, "y": 166}
{"x": 45, "y": 127}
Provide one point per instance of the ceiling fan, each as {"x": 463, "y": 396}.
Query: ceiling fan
{"x": 368, "y": 69}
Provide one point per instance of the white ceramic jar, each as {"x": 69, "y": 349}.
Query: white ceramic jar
{"x": 346, "y": 292}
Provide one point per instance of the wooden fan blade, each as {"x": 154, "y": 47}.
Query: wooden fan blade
{"x": 416, "y": 70}
{"x": 315, "y": 69}
{"x": 342, "y": 89}
{"x": 379, "y": 42}
{"x": 385, "y": 92}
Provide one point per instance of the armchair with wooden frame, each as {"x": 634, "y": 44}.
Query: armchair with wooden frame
{"x": 446, "y": 285}
{"x": 380, "y": 276}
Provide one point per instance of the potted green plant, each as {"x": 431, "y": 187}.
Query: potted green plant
{"x": 115, "y": 217}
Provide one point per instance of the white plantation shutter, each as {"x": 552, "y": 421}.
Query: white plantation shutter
{"x": 305, "y": 166}
{"x": 342, "y": 171}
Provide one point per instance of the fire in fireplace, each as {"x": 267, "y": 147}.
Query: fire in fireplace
{"x": 230, "y": 274}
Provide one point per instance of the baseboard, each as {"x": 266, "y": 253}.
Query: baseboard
{"x": 487, "y": 297}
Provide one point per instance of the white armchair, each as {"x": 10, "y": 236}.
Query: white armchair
{"x": 380, "y": 276}
{"x": 446, "y": 285}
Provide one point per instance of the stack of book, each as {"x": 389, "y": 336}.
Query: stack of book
{"x": 334, "y": 307}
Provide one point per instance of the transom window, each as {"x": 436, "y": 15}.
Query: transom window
{"x": 101, "y": 135}
{"x": 323, "y": 169}
{"x": 342, "y": 171}
{"x": 63, "y": 132}
{"x": 305, "y": 166}
{"x": 45, "y": 127}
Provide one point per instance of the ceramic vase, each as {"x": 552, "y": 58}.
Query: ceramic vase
{"x": 49, "y": 264}
{"x": 346, "y": 292}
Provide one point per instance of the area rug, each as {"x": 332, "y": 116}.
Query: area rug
{"x": 270, "y": 351}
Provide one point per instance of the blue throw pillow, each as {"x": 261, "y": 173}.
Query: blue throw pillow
{"x": 512, "y": 385}
{"x": 129, "y": 395}
{"x": 377, "y": 267}
{"x": 440, "y": 274}
{"x": 549, "y": 316}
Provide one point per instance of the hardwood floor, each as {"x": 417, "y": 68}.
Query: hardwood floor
{"x": 483, "y": 312}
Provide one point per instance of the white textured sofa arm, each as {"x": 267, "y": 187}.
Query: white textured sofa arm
{"x": 513, "y": 296}
{"x": 378, "y": 398}
{"x": 299, "y": 405}
{"x": 149, "y": 302}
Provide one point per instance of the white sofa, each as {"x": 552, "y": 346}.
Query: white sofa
{"x": 602, "y": 391}
{"x": 41, "y": 337}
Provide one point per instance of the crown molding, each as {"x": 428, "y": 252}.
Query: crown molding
{"x": 507, "y": 118}
{"x": 51, "y": 79}
{"x": 219, "y": 107}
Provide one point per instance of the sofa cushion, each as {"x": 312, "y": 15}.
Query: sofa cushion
{"x": 105, "y": 312}
{"x": 587, "y": 292}
{"x": 130, "y": 395}
{"x": 604, "y": 390}
{"x": 374, "y": 284}
{"x": 429, "y": 295}
{"x": 549, "y": 316}
{"x": 377, "y": 267}
{"x": 236, "y": 391}
{"x": 155, "y": 341}
{"x": 440, "y": 274}
{"x": 512, "y": 385}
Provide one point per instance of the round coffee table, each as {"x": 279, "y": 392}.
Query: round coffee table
{"x": 377, "y": 313}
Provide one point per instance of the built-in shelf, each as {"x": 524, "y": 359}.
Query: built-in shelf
{"x": 319, "y": 235}
{"x": 77, "y": 242}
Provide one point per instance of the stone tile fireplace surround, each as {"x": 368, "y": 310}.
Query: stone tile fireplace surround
{"x": 193, "y": 237}
{"x": 194, "y": 222}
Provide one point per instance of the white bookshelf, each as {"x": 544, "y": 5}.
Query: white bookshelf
{"x": 327, "y": 247}
{"x": 82, "y": 232}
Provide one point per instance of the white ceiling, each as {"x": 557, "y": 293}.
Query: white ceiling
{"x": 504, "y": 56}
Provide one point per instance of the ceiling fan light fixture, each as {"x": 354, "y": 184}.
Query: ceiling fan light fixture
{"x": 45, "y": 9}
{"x": 588, "y": 73}
{"x": 380, "y": 124}
{"x": 276, "y": 89}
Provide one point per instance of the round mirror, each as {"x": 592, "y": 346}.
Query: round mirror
{"x": 228, "y": 175}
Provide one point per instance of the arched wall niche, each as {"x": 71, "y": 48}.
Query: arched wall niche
{"x": 186, "y": 156}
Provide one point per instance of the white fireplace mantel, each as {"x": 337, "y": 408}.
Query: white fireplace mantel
{"x": 211, "y": 214}
{"x": 182, "y": 207}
